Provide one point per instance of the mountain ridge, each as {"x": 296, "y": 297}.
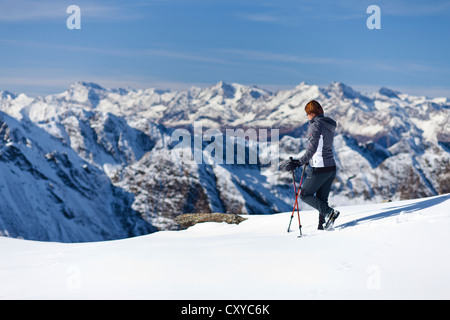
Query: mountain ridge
{"x": 388, "y": 145}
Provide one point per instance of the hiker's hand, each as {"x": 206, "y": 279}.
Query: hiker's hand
{"x": 290, "y": 165}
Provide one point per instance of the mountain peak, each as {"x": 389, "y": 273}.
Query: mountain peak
{"x": 340, "y": 86}
{"x": 7, "y": 94}
{"x": 225, "y": 89}
{"x": 388, "y": 92}
{"x": 222, "y": 85}
{"x": 88, "y": 93}
{"x": 87, "y": 85}
{"x": 342, "y": 90}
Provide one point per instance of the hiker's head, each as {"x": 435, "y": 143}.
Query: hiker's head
{"x": 313, "y": 107}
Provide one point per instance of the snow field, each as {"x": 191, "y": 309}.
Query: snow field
{"x": 396, "y": 250}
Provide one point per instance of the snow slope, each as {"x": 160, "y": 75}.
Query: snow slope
{"x": 396, "y": 250}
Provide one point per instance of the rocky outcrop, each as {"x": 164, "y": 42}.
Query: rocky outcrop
{"x": 189, "y": 219}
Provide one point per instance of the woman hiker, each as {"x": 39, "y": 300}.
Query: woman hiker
{"x": 319, "y": 155}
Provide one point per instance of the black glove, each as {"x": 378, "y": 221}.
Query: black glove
{"x": 290, "y": 165}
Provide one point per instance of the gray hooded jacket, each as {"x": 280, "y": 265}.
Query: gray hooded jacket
{"x": 319, "y": 153}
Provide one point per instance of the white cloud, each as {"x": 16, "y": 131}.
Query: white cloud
{"x": 31, "y": 10}
{"x": 282, "y": 57}
{"x": 38, "y": 82}
{"x": 258, "y": 17}
{"x": 415, "y": 8}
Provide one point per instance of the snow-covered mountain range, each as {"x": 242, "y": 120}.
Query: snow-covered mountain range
{"x": 92, "y": 163}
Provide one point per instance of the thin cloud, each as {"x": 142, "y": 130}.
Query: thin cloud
{"x": 258, "y": 17}
{"x": 121, "y": 52}
{"x": 282, "y": 57}
{"x": 415, "y": 8}
{"x": 27, "y": 10}
{"x": 39, "y": 83}
{"x": 48, "y": 10}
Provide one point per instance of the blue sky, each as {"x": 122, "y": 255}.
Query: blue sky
{"x": 273, "y": 44}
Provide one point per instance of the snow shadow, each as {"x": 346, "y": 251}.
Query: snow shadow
{"x": 405, "y": 209}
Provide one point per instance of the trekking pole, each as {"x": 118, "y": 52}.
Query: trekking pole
{"x": 296, "y": 193}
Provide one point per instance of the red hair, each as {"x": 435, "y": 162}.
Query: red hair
{"x": 313, "y": 107}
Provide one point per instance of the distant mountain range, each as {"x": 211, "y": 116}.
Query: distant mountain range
{"x": 93, "y": 163}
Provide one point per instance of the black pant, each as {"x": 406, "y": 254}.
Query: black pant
{"x": 318, "y": 183}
